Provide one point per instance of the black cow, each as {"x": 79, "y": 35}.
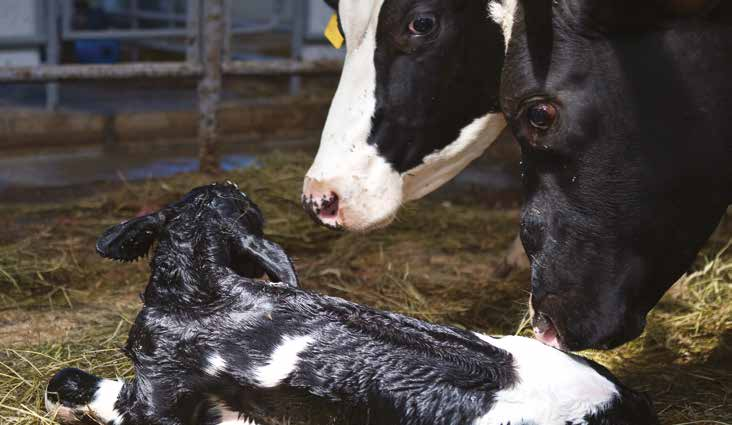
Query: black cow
{"x": 623, "y": 110}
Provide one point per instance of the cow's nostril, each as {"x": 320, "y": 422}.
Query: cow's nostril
{"x": 329, "y": 206}
{"x": 323, "y": 207}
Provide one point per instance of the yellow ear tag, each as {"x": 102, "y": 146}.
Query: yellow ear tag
{"x": 333, "y": 34}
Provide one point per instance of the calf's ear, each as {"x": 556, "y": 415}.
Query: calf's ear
{"x": 267, "y": 255}
{"x": 132, "y": 239}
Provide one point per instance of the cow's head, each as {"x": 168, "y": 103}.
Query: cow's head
{"x": 623, "y": 110}
{"x": 416, "y": 103}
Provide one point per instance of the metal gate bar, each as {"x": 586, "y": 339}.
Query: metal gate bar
{"x": 209, "y": 88}
{"x": 278, "y": 67}
{"x": 205, "y": 34}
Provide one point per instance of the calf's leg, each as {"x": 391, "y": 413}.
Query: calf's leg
{"x": 76, "y": 397}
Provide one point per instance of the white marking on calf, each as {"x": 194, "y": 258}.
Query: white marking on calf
{"x": 552, "y": 389}
{"x": 503, "y": 13}
{"x": 441, "y": 166}
{"x": 215, "y": 364}
{"x": 283, "y": 361}
{"x": 102, "y": 406}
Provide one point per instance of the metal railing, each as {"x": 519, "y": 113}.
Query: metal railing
{"x": 207, "y": 40}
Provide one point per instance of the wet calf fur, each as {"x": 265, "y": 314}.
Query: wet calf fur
{"x": 214, "y": 344}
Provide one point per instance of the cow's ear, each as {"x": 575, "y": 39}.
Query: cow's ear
{"x": 265, "y": 255}
{"x": 132, "y": 239}
{"x": 332, "y": 3}
{"x": 689, "y": 7}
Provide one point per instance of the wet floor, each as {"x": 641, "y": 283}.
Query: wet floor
{"x": 96, "y": 165}
{"x": 53, "y": 175}
{"x": 57, "y": 175}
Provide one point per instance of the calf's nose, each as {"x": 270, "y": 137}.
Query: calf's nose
{"x": 321, "y": 202}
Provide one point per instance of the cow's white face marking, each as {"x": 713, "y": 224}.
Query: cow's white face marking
{"x": 553, "y": 388}
{"x": 215, "y": 364}
{"x": 441, "y": 166}
{"x": 503, "y": 12}
{"x": 369, "y": 189}
{"x": 283, "y": 361}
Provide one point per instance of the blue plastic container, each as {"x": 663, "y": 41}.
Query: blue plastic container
{"x": 97, "y": 51}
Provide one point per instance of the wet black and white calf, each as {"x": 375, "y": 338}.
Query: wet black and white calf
{"x": 416, "y": 103}
{"x": 214, "y": 344}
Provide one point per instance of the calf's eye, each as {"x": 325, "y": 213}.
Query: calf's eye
{"x": 422, "y": 25}
{"x": 541, "y": 115}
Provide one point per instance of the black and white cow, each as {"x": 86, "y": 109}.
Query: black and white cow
{"x": 417, "y": 102}
{"x": 215, "y": 345}
{"x": 623, "y": 110}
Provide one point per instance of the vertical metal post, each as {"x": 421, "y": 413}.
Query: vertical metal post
{"x": 134, "y": 24}
{"x": 67, "y": 15}
{"x": 299, "y": 19}
{"x": 193, "y": 43}
{"x": 228, "y": 23}
{"x": 278, "y": 8}
{"x": 169, "y": 7}
{"x": 209, "y": 88}
{"x": 52, "y": 51}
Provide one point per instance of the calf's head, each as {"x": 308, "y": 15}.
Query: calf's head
{"x": 623, "y": 111}
{"x": 417, "y": 102}
{"x": 214, "y": 224}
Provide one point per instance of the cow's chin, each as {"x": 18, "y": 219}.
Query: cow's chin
{"x": 355, "y": 222}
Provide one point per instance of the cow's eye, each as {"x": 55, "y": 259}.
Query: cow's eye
{"x": 422, "y": 25}
{"x": 541, "y": 115}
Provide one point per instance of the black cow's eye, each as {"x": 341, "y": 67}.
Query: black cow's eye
{"x": 422, "y": 25}
{"x": 541, "y": 115}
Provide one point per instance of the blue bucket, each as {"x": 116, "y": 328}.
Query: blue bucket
{"x": 97, "y": 51}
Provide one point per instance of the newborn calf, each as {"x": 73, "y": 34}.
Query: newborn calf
{"x": 214, "y": 344}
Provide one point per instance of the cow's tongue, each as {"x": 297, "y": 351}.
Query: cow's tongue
{"x": 545, "y": 331}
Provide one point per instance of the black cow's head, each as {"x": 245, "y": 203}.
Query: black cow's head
{"x": 416, "y": 103}
{"x": 623, "y": 110}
